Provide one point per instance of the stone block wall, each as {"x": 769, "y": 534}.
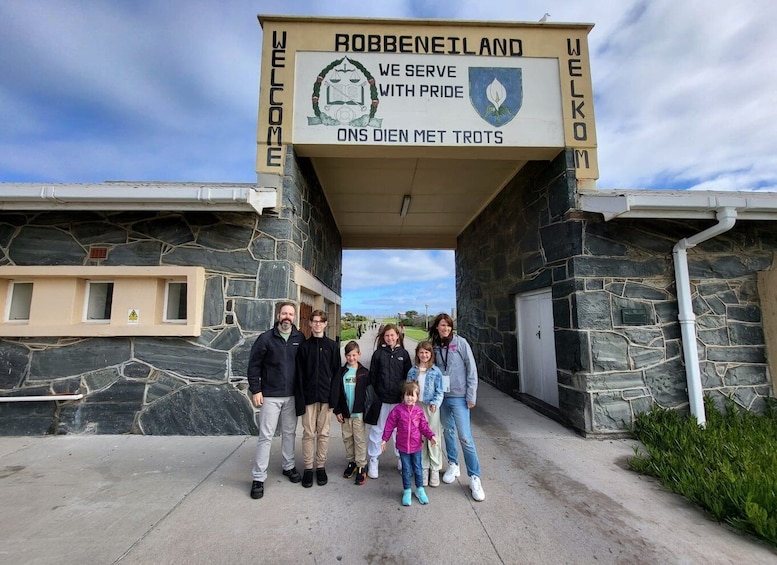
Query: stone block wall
{"x": 521, "y": 242}
{"x": 148, "y": 385}
{"x": 630, "y": 368}
{"x": 530, "y": 237}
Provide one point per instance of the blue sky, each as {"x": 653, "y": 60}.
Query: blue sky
{"x": 96, "y": 90}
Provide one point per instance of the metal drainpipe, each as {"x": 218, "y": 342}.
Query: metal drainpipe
{"x": 727, "y": 217}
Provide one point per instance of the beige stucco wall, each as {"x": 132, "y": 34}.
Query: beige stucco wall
{"x": 767, "y": 290}
{"x": 57, "y": 306}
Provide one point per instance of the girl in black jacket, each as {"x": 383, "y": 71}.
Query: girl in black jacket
{"x": 388, "y": 372}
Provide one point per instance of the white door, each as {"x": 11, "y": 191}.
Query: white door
{"x": 536, "y": 346}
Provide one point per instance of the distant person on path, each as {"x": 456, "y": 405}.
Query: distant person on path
{"x": 388, "y": 372}
{"x": 318, "y": 365}
{"x": 351, "y": 387}
{"x": 453, "y": 356}
{"x": 411, "y": 425}
{"x": 272, "y": 377}
{"x": 430, "y": 394}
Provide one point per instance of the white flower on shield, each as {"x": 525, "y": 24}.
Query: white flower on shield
{"x": 496, "y": 93}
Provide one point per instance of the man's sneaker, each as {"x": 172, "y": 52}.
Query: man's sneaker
{"x": 407, "y": 497}
{"x": 434, "y": 478}
{"x": 476, "y": 488}
{"x": 361, "y": 476}
{"x": 257, "y": 489}
{"x": 321, "y": 477}
{"x": 349, "y": 470}
{"x": 451, "y": 474}
{"x": 426, "y": 477}
{"x": 372, "y": 468}
{"x": 420, "y": 494}
{"x": 307, "y": 478}
{"x": 293, "y": 475}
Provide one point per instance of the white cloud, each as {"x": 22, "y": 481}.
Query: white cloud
{"x": 370, "y": 269}
{"x": 683, "y": 93}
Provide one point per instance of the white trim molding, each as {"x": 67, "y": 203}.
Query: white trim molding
{"x": 183, "y": 196}
{"x": 685, "y": 204}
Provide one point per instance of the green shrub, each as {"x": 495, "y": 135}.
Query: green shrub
{"x": 347, "y": 335}
{"x": 729, "y": 467}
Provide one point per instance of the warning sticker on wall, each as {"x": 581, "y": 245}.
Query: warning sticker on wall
{"x": 133, "y": 316}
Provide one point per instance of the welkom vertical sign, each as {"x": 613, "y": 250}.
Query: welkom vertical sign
{"x": 523, "y": 90}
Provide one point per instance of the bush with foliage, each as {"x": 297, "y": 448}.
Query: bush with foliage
{"x": 729, "y": 466}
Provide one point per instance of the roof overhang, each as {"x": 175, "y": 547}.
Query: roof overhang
{"x": 217, "y": 197}
{"x": 677, "y": 204}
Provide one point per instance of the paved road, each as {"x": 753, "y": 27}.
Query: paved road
{"x": 552, "y": 497}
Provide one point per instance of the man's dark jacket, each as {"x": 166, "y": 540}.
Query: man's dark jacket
{"x": 272, "y": 364}
{"x": 388, "y": 372}
{"x": 318, "y": 364}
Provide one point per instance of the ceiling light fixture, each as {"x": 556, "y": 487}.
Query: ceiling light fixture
{"x": 405, "y": 206}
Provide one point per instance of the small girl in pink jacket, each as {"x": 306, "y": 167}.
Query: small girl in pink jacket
{"x": 409, "y": 420}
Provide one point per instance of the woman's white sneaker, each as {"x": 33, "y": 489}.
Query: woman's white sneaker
{"x": 476, "y": 488}
{"x": 451, "y": 474}
{"x": 434, "y": 478}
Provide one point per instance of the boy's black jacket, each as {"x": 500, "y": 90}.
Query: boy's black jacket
{"x": 318, "y": 364}
{"x": 340, "y": 403}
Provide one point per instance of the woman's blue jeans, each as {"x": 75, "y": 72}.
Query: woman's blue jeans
{"x": 454, "y": 416}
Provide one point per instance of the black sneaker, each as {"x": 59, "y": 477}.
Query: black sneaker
{"x": 293, "y": 475}
{"x": 321, "y": 477}
{"x": 307, "y": 478}
{"x": 349, "y": 470}
{"x": 257, "y": 489}
{"x": 361, "y": 476}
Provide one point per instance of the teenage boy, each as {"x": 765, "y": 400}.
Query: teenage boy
{"x": 318, "y": 365}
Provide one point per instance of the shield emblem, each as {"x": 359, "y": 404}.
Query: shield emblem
{"x": 496, "y": 93}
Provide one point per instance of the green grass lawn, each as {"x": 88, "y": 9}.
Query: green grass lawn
{"x": 728, "y": 467}
{"x": 418, "y": 334}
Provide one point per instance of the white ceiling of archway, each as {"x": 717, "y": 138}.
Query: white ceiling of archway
{"x": 446, "y": 194}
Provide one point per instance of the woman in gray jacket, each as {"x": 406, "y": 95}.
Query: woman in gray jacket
{"x": 453, "y": 356}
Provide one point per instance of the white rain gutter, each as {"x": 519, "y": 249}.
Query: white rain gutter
{"x": 137, "y": 196}
{"x": 727, "y": 217}
{"x": 41, "y": 397}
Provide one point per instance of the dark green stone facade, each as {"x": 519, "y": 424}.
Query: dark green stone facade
{"x": 530, "y": 237}
{"x": 181, "y": 386}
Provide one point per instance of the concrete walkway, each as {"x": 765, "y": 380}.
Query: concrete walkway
{"x": 552, "y": 497}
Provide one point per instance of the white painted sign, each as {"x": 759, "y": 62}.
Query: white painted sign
{"x": 133, "y": 316}
{"x": 426, "y": 100}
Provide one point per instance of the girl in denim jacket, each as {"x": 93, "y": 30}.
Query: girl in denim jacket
{"x": 429, "y": 379}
